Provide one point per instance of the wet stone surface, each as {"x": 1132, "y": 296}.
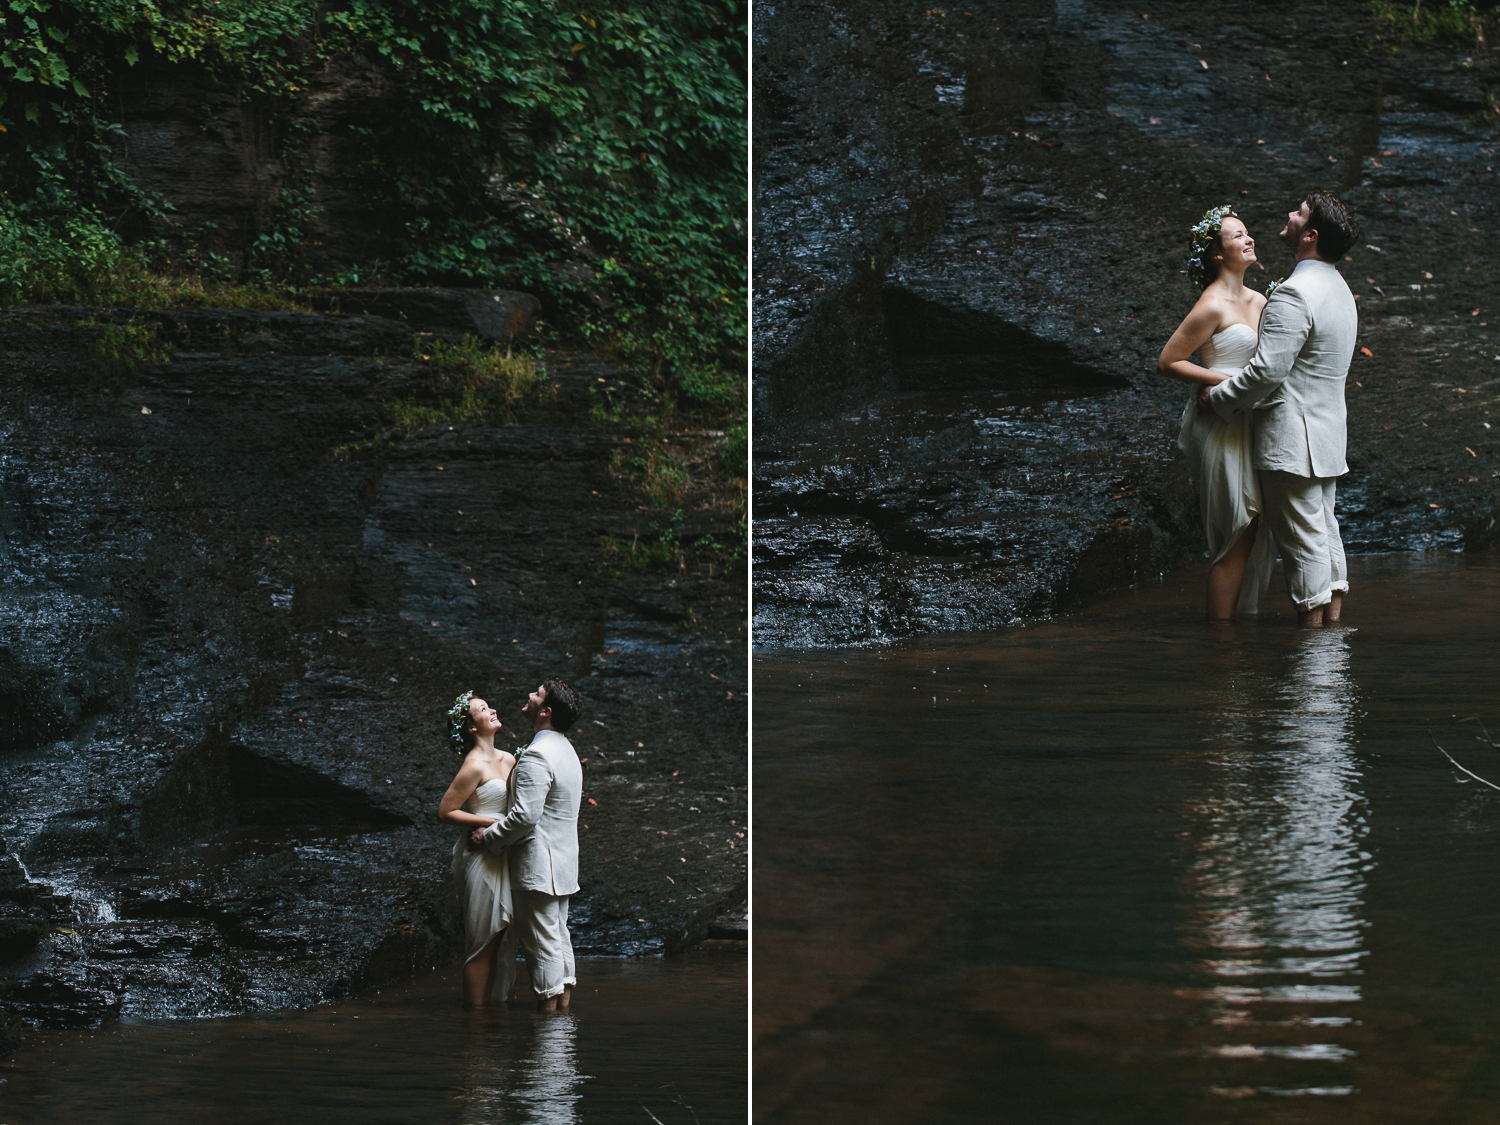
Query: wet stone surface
{"x": 965, "y": 216}
{"x": 230, "y": 634}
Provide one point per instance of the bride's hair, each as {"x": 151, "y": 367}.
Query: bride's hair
{"x": 1206, "y": 239}
{"x": 460, "y": 735}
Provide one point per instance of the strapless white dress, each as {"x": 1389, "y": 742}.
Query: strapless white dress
{"x": 484, "y": 888}
{"x": 1220, "y": 456}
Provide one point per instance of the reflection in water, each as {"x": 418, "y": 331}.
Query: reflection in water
{"x": 1277, "y": 880}
{"x": 540, "y": 1087}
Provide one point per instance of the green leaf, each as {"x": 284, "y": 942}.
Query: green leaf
{"x": 33, "y": 112}
{"x": 132, "y": 56}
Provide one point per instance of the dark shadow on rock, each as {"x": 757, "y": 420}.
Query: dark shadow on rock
{"x": 949, "y": 346}
{"x": 269, "y": 793}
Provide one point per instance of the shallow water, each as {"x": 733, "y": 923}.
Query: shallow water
{"x": 660, "y": 1035}
{"x": 1126, "y": 867}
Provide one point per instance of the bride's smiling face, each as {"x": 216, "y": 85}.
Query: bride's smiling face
{"x": 483, "y": 717}
{"x": 1239, "y": 247}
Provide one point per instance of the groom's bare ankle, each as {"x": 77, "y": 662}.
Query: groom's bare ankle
{"x": 1335, "y": 608}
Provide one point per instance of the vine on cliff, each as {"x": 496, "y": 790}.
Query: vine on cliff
{"x": 596, "y": 157}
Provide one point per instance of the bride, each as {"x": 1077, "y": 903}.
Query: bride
{"x": 1223, "y": 327}
{"x": 483, "y": 877}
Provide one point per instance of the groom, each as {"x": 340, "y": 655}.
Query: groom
{"x": 541, "y": 830}
{"x": 1295, "y": 387}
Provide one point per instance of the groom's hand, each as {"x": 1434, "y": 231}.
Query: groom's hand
{"x": 476, "y": 837}
{"x": 1204, "y": 406}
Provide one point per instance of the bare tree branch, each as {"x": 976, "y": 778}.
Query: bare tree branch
{"x": 1451, "y": 758}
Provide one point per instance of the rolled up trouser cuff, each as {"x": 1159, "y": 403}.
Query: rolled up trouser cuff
{"x": 1324, "y": 598}
{"x": 1314, "y": 602}
{"x": 556, "y": 990}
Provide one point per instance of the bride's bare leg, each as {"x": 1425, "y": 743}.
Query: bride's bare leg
{"x": 1226, "y": 575}
{"x": 479, "y": 974}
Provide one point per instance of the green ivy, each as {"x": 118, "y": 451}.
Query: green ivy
{"x": 594, "y": 156}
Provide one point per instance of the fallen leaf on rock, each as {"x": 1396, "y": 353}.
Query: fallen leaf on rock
{"x": 593, "y": 802}
{"x": 1471, "y": 452}
{"x": 1367, "y": 351}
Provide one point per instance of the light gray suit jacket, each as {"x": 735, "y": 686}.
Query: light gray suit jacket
{"x": 1295, "y": 383}
{"x": 541, "y": 828}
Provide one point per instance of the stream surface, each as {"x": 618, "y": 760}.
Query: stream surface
{"x": 1126, "y": 867}
{"x": 664, "y": 1035}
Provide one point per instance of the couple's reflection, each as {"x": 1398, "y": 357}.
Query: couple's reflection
{"x": 523, "y": 1074}
{"x": 1276, "y": 848}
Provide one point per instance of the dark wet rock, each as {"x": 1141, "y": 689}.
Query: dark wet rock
{"x": 975, "y": 220}
{"x": 233, "y": 620}
{"x": 732, "y": 925}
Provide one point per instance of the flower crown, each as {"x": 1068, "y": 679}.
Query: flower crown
{"x": 458, "y": 716}
{"x": 1204, "y": 232}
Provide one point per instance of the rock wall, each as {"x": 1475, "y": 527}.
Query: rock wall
{"x": 232, "y": 625}
{"x": 971, "y": 222}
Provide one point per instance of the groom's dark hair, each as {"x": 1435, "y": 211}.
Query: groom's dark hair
{"x": 1338, "y": 229}
{"x": 564, "y": 703}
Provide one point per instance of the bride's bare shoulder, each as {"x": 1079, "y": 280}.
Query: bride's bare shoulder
{"x": 1211, "y": 310}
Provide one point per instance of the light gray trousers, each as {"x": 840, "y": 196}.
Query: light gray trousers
{"x": 544, "y": 938}
{"x": 1298, "y": 511}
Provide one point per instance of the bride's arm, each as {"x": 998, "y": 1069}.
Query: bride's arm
{"x": 1176, "y": 358}
{"x": 451, "y": 808}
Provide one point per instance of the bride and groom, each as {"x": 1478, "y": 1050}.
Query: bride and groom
{"x": 1265, "y": 429}
{"x": 516, "y": 858}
